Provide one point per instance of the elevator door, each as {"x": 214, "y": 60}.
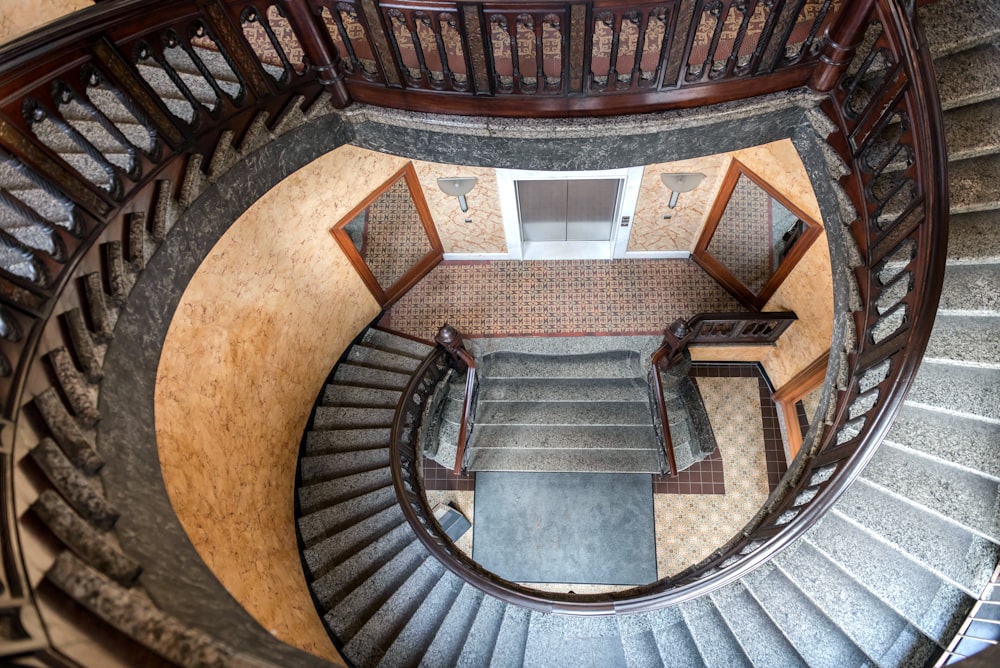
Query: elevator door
{"x": 567, "y": 210}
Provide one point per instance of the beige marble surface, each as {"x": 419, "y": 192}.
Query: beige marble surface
{"x": 18, "y": 17}
{"x": 485, "y": 232}
{"x": 258, "y": 329}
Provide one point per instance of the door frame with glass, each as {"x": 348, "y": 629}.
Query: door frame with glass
{"x": 621, "y": 227}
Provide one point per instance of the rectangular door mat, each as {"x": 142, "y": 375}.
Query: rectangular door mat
{"x": 583, "y": 528}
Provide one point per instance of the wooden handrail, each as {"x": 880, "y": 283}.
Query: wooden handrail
{"x": 452, "y": 341}
{"x": 661, "y": 410}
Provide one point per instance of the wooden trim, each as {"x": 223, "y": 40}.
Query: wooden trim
{"x": 717, "y": 270}
{"x": 388, "y": 295}
{"x": 792, "y": 392}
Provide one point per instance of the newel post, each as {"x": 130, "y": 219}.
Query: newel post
{"x": 842, "y": 39}
{"x": 452, "y": 341}
{"x": 319, "y": 48}
{"x": 675, "y": 340}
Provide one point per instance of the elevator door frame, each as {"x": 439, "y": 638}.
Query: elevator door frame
{"x": 569, "y": 250}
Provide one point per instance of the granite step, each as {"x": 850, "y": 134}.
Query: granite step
{"x": 815, "y": 637}
{"x": 569, "y": 413}
{"x": 972, "y": 340}
{"x": 557, "y": 389}
{"x": 336, "y": 394}
{"x": 565, "y": 460}
{"x": 969, "y": 76}
{"x": 929, "y": 603}
{"x": 450, "y": 636}
{"x": 758, "y": 635}
{"x": 318, "y": 468}
{"x": 352, "y": 417}
{"x": 971, "y": 289}
{"x": 955, "y": 554}
{"x": 950, "y": 27}
{"x": 370, "y": 644}
{"x": 959, "y": 388}
{"x": 611, "y": 364}
{"x": 412, "y": 641}
{"x": 716, "y": 643}
{"x": 508, "y": 652}
{"x": 329, "y": 521}
{"x": 483, "y": 634}
{"x": 641, "y": 651}
{"x": 352, "y": 611}
{"x": 967, "y": 443}
{"x": 377, "y": 358}
{"x": 973, "y": 238}
{"x": 353, "y": 374}
{"x": 962, "y": 496}
{"x": 331, "y": 586}
{"x": 343, "y": 440}
{"x": 558, "y": 640}
{"x": 530, "y": 437}
{"x": 673, "y": 639}
{"x": 870, "y": 624}
{"x": 972, "y": 131}
{"x": 321, "y": 557}
{"x": 972, "y": 183}
{"x": 324, "y": 494}
{"x": 394, "y": 343}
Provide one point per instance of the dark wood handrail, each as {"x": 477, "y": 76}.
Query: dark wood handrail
{"x": 661, "y": 410}
{"x": 451, "y": 340}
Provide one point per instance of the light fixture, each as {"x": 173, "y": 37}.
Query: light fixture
{"x": 680, "y": 183}
{"x": 458, "y": 187}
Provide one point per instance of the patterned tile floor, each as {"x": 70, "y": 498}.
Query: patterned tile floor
{"x": 566, "y": 297}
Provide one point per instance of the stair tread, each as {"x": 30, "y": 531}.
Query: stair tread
{"x": 451, "y": 635}
{"x": 716, "y": 644}
{"x": 972, "y": 182}
{"x": 674, "y": 640}
{"x": 972, "y": 237}
{"x": 511, "y": 639}
{"x": 335, "y": 394}
{"x": 554, "y": 389}
{"x": 564, "y": 412}
{"x": 815, "y": 637}
{"x": 971, "y": 289}
{"x": 352, "y": 417}
{"x": 581, "y": 437}
{"x": 341, "y": 440}
{"x": 417, "y": 634}
{"x": 363, "y": 355}
{"x": 401, "y": 345}
{"x": 610, "y": 364}
{"x": 370, "y": 643}
{"x": 327, "y": 521}
{"x": 962, "y": 441}
{"x": 957, "y": 554}
{"x": 321, "y": 556}
{"x": 482, "y": 636}
{"x": 969, "y": 390}
{"x": 352, "y": 374}
{"x": 566, "y": 460}
{"x": 968, "y": 76}
{"x": 967, "y": 498}
{"x": 949, "y": 28}
{"x": 760, "y": 638}
{"x": 966, "y": 339}
{"x": 972, "y": 130}
{"x": 315, "y": 496}
{"x": 557, "y": 640}
{"x": 315, "y": 468}
{"x": 865, "y": 619}
{"x": 936, "y": 607}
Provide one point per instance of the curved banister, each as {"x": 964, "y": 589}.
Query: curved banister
{"x": 897, "y": 239}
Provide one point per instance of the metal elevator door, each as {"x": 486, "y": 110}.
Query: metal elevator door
{"x": 567, "y": 210}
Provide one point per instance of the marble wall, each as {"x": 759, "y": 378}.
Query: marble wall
{"x": 20, "y": 16}
{"x": 260, "y": 325}
{"x": 484, "y": 233}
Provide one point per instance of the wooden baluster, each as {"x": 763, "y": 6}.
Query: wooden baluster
{"x": 319, "y": 47}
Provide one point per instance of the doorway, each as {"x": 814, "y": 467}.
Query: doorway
{"x": 568, "y": 215}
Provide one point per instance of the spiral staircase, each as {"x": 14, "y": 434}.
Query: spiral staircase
{"x": 885, "y": 578}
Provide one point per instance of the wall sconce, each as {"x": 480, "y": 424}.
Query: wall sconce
{"x": 458, "y": 187}
{"x": 680, "y": 183}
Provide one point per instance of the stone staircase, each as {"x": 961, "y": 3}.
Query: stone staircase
{"x": 885, "y": 579}
{"x": 573, "y": 413}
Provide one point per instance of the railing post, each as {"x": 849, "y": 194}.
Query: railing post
{"x": 675, "y": 340}
{"x": 453, "y": 341}
{"x": 319, "y": 47}
{"x": 842, "y": 39}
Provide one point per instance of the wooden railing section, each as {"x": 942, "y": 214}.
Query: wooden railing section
{"x": 451, "y": 340}
{"x": 711, "y": 329}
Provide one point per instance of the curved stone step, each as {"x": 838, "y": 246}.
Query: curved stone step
{"x": 328, "y": 521}
{"x": 756, "y": 632}
{"x": 343, "y": 440}
{"x": 320, "y": 495}
{"x": 965, "y": 390}
{"x": 450, "y": 636}
{"x": 973, "y": 130}
{"x": 394, "y": 343}
{"x": 965, "y": 442}
{"x": 973, "y": 238}
{"x": 973, "y": 182}
{"x": 716, "y": 643}
{"x": 969, "y": 76}
{"x": 412, "y": 641}
{"x": 966, "y": 339}
{"x": 558, "y": 640}
{"x": 352, "y": 417}
{"x": 336, "y": 394}
{"x": 511, "y": 639}
{"x": 377, "y": 358}
{"x": 317, "y": 468}
{"x": 322, "y": 556}
{"x": 352, "y": 374}
{"x": 483, "y": 634}
{"x": 949, "y": 29}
